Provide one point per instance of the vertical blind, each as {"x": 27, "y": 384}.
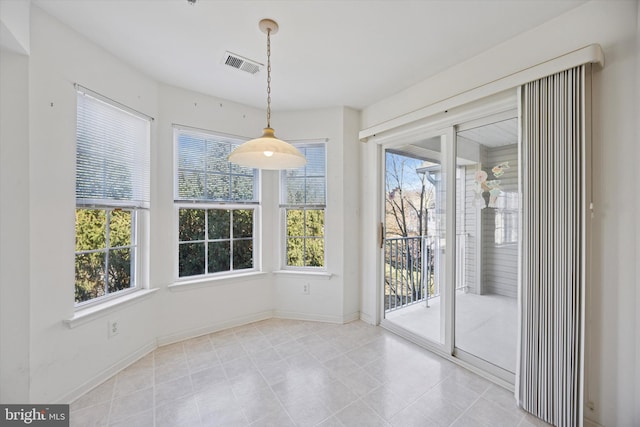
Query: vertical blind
{"x": 112, "y": 155}
{"x": 550, "y": 378}
{"x": 306, "y": 186}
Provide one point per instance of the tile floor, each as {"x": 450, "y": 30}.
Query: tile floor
{"x": 292, "y": 373}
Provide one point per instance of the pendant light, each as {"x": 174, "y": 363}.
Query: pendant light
{"x": 268, "y": 152}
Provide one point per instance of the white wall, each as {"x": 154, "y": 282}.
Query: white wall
{"x": 14, "y": 228}
{"x": 612, "y": 368}
{"x": 14, "y": 25}
{"x": 351, "y": 212}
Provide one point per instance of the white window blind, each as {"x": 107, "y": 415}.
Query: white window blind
{"x": 204, "y": 172}
{"x": 306, "y": 186}
{"x": 112, "y": 155}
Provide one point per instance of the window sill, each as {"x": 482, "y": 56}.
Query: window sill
{"x": 304, "y": 273}
{"x": 204, "y": 282}
{"x": 85, "y": 315}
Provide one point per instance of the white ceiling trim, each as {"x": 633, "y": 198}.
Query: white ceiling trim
{"x": 589, "y": 54}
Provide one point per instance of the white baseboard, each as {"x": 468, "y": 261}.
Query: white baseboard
{"x": 214, "y": 327}
{"x": 104, "y": 375}
{"x": 591, "y": 423}
{"x": 367, "y": 318}
{"x": 293, "y": 315}
{"x": 351, "y": 317}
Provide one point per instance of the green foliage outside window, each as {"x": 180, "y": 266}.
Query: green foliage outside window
{"x": 214, "y": 240}
{"x": 305, "y": 237}
{"x": 104, "y": 251}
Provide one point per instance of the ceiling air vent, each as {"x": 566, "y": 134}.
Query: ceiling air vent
{"x": 241, "y": 63}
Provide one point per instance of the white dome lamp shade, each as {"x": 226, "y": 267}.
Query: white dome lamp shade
{"x": 268, "y": 152}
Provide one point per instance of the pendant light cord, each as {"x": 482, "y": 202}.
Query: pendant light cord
{"x": 268, "y": 77}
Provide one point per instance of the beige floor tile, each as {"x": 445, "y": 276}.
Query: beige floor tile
{"x": 92, "y": 416}
{"x": 100, "y": 394}
{"x": 131, "y": 404}
{"x": 358, "y": 414}
{"x": 296, "y": 373}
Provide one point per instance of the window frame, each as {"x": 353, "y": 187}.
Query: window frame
{"x": 139, "y": 208}
{"x": 284, "y": 207}
{"x": 211, "y": 204}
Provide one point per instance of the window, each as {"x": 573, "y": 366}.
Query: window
{"x": 112, "y": 189}
{"x": 302, "y": 201}
{"x": 216, "y": 203}
{"x": 506, "y": 218}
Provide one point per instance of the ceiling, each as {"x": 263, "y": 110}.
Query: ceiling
{"x": 327, "y": 53}
{"x": 497, "y": 134}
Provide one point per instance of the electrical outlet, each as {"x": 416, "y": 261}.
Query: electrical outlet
{"x": 114, "y": 328}
{"x": 306, "y": 289}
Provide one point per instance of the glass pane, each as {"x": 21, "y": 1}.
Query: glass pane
{"x": 190, "y": 259}
{"x": 219, "y": 256}
{"x": 415, "y": 233}
{"x": 219, "y": 223}
{"x": 191, "y": 224}
{"x": 190, "y": 185}
{"x": 241, "y": 170}
{"x": 119, "y": 270}
{"x": 295, "y": 191}
{"x": 118, "y": 186}
{"x": 295, "y": 252}
{"x": 314, "y": 188}
{"x": 242, "y": 254}
{"x": 306, "y": 185}
{"x": 191, "y": 150}
{"x": 90, "y": 276}
{"x": 217, "y": 157}
{"x": 120, "y": 228}
{"x": 242, "y": 188}
{"x": 91, "y": 229}
{"x": 205, "y": 173}
{"x": 242, "y": 223}
{"x": 290, "y": 173}
{"x": 314, "y": 256}
{"x": 315, "y": 223}
{"x": 295, "y": 222}
{"x": 315, "y": 161}
{"x": 487, "y": 217}
{"x": 218, "y": 187}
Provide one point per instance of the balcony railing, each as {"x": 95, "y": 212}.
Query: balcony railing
{"x": 412, "y": 270}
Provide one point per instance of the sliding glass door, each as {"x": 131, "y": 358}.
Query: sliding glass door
{"x": 487, "y": 242}
{"x": 451, "y": 241}
{"x": 415, "y": 225}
